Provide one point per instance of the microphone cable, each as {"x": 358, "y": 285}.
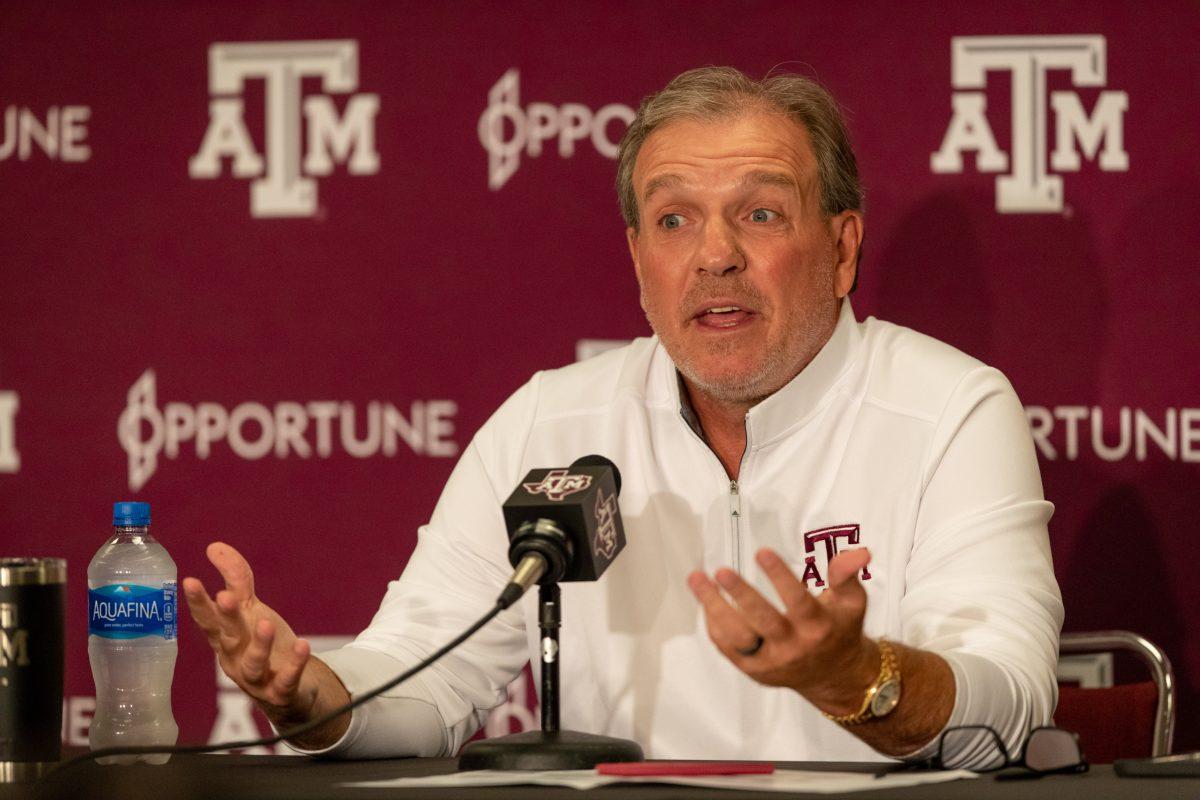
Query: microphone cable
{"x": 290, "y": 732}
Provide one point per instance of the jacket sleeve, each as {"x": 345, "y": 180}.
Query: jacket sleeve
{"x": 981, "y": 590}
{"x": 455, "y": 574}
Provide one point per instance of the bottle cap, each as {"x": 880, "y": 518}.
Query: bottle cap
{"x": 130, "y": 514}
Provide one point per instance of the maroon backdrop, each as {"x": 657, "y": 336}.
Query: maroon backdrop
{"x": 269, "y": 266}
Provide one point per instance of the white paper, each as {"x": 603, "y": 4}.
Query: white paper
{"x": 782, "y": 780}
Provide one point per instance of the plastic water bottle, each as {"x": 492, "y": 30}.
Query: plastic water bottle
{"x": 132, "y": 628}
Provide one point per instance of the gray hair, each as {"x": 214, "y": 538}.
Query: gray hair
{"x": 712, "y": 93}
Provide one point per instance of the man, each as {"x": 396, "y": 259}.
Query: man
{"x": 761, "y": 430}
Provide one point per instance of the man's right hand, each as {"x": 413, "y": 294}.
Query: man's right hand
{"x": 259, "y": 651}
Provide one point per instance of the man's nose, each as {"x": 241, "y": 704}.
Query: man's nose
{"x": 720, "y": 252}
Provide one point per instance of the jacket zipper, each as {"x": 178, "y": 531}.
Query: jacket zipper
{"x": 735, "y": 514}
{"x": 735, "y": 503}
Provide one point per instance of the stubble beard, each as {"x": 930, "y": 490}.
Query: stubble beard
{"x": 804, "y": 334}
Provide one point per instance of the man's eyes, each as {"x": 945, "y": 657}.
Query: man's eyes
{"x": 672, "y": 222}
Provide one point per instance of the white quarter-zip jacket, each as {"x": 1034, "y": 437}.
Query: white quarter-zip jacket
{"x": 888, "y": 440}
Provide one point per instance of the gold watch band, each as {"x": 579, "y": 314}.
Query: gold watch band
{"x": 889, "y": 670}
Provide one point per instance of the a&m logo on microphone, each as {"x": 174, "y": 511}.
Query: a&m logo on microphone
{"x": 1027, "y": 185}
{"x": 559, "y": 483}
{"x": 606, "y": 524}
{"x": 281, "y": 188}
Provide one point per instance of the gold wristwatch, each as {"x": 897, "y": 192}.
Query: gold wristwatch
{"x": 883, "y": 695}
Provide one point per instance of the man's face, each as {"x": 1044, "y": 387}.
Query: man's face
{"x": 740, "y": 273}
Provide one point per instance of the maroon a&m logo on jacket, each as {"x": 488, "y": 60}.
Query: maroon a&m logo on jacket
{"x": 829, "y": 537}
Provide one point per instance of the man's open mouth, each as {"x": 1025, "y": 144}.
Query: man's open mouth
{"x": 724, "y": 316}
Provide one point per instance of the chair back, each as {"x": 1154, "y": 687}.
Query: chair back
{"x": 1132, "y": 720}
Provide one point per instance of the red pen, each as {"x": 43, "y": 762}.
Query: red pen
{"x": 643, "y": 769}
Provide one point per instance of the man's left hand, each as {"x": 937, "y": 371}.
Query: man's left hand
{"x": 815, "y": 645}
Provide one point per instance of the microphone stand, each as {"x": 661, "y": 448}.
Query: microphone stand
{"x": 549, "y": 621}
{"x": 549, "y": 748}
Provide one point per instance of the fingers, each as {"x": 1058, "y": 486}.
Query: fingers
{"x": 221, "y": 620}
{"x": 287, "y": 677}
{"x": 762, "y": 617}
{"x": 256, "y": 658}
{"x": 239, "y": 579}
{"x": 795, "y": 595}
{"x": 805, "y": 646}
{"x": 844, "y": 569}
{"x": 201, "y": 606}
{"x": 727, "y": 628}
{"x": 230, "y": 620}
{"x": 266, "y": 674}
{"x": 845, "y": 589}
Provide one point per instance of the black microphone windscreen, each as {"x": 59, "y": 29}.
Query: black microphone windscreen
{"x": 576, "y": 503}
{"x": 596, "y": 460}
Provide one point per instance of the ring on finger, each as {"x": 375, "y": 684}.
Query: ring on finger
{"x": 753, "y": 648}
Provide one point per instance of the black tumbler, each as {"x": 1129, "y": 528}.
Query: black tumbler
{"x": 32, "y": 599}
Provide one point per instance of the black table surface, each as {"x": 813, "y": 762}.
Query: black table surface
{"x": 238, "y": 777}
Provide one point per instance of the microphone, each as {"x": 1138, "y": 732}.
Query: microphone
{"x": 563, "y": 525}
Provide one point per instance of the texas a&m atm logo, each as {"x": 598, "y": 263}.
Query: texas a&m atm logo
{"x": 282, "y": 188}
{"x": 559, "y": 483}
{"x": 1027, "y": 186}
{"x": 849, "y": 534}
{"x": 606, "y": 524}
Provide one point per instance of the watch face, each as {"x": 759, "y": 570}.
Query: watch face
{"x": 886, "y": 698}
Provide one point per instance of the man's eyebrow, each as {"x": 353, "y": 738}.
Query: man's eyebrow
{"x": 760, "y": 177}
{"x": 668, "y": 181}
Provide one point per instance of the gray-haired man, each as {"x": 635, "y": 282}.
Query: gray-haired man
{"x": 883, "y": 484}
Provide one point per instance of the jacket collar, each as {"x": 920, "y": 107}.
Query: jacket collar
{"x": 800, "y": 397}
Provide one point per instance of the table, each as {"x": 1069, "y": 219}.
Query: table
{"x": 237, "y": 777}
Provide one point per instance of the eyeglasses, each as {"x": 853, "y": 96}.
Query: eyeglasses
{"x": 1046, "y": 751}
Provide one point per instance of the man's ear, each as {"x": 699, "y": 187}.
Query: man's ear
{"x": 848, "y": 236}
{"x": 631, "y": 239}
